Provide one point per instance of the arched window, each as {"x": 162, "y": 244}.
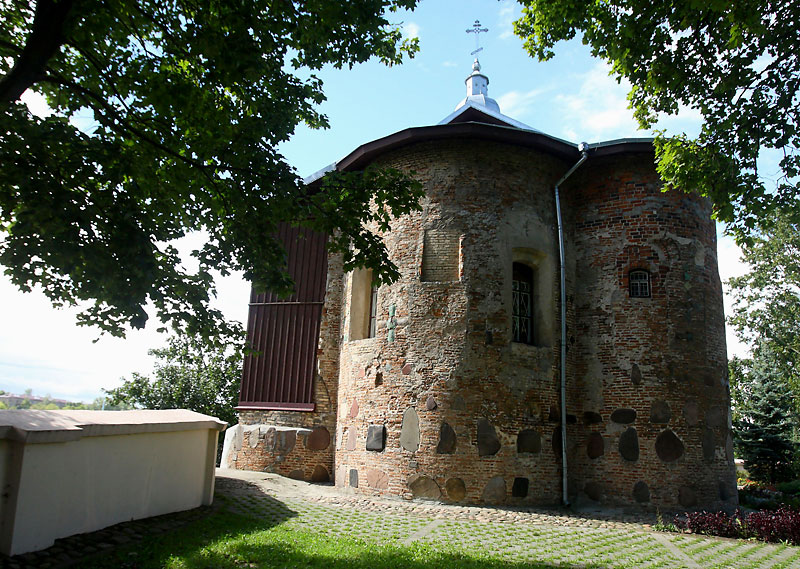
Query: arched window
{"x": 522, "y": 303}
{"x": 639, "y": 283}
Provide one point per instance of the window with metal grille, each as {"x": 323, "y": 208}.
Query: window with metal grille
{"x": 639, "y": 283}
{"x": 522, "y": 303}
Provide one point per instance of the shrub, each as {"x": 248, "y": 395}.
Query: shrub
{"x": 782, "y": 525}
{"x": 716, "y": 523}
{"x": 792, "y": 487}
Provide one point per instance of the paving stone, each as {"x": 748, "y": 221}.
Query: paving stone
{"x": 424, "y": 487}
{"x": 353, "y": 478}
{"x": 715, "y": 417}
{"x": 377, "y": 479}
{"x": 529, "y": 441}
{"x": 430, "y": 403}
{"x": 488, "y": 443}
{"x": 623, "y": 416}
{"x": 691, "y": 412}
{"x": 594, "y": 490}
{"x": 353, "y": 410}
{"x": 376, "y": 438}
{"x": 629, "y": 445}
{"x": 725, "y": 492}
{"x": 409, "y": 432}
{"x": 447, "y": 440}
{"x": 556, "y": 443}
{"x": 709, "y": 444}
{"x": 456, "y": 489}
{"x": 660, "y": 412}
{"x": 285, "y": 441}
{"x": 687, "y": 497}
{"x": 495, "y": 491}
{"x": 296, "y": 474}
{"x": 406, "y": 369}
{"x": 669, "y": 447}
{"x": 319, "y": 439}
{"x": 636, "y": 375}
{"x": 352, "y": 439}
{"x": 595, "y": 445}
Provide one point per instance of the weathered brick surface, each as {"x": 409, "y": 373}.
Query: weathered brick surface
{"x": 672, "y": 344}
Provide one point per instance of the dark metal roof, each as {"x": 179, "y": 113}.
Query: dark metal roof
{"x": 366, "y": 153}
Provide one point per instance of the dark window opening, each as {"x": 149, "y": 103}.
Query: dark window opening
{"x": 522, "y": 304}
{"x": 373, "y": 312}
{"x": 639, "y": 283}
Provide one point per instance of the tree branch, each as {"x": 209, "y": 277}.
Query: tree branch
{"x": 46, "y": 37}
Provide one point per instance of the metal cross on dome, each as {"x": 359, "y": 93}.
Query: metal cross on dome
{"x": 477, "y": 30}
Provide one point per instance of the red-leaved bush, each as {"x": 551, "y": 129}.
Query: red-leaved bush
{"x": 776, "y": 526}
{"x": 781, "y": 525}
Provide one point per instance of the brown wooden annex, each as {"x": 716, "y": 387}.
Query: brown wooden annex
{"x": 284, "y": 332}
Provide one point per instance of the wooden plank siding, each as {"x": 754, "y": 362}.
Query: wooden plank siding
{"x": 284, "y": 332}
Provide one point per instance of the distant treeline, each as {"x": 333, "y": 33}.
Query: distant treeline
{"x": 29, "y": 401}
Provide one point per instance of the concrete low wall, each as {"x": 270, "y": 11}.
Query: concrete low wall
{"x": 70, "y": 472}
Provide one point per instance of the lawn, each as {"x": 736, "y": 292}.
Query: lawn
{"x": 227, "y": 540}
{"x": 258, "y": 531}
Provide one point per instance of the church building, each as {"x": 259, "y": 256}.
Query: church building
{"x": 556, "y": 335}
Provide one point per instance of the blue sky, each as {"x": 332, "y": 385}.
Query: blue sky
{"x": 571, "y": 97}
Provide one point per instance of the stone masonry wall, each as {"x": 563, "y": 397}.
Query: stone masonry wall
{"x": 441, "y": 404}
{"x": 650, "y": 373}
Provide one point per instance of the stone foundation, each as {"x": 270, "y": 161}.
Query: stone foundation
{"x": 300, "y": 453}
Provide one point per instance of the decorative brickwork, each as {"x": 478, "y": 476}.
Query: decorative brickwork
{"x": 440, "y": 255}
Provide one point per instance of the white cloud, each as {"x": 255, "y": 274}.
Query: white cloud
{"x": 518, "y": 104}
{"x": 599, "y": 110}
{"x": 42, "y": 348}
{"x": 729, "y": 258}
{"x": 449, "y": 64}
{"x": 505, "y": 19}
{"x": 411, "y": 30}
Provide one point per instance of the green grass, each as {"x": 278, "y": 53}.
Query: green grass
{"x": 226, "y": 540}
{"x": 268, "y": 533}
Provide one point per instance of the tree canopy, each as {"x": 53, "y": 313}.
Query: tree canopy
{"x": 190, "y": 373}
{"x": 186, "y": 102}
{"x": 734, "y": 61}
{"x": 766, "y": 310}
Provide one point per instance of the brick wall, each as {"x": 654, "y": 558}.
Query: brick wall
{"x": 647, "y": 370}
{"x": 470, "y": 416}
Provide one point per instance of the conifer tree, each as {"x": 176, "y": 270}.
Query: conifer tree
{"x": 766, "y": 428}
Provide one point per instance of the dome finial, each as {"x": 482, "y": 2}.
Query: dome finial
{"x": 477, "y": 82}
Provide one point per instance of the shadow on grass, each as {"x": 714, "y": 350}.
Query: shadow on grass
{"x": 226, "y": 540}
